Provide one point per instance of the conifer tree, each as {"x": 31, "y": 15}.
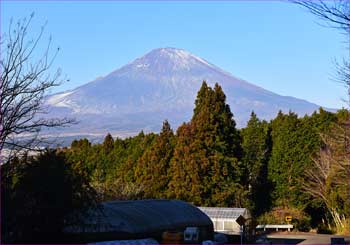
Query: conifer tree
{"x": 152, "y": 167}
{"x": 108, "y": 143}
{"x": 256, "y": 146}
{"x": 205, "y": 162}
{"x": 184, "y": 170}
{"x": 135, "y": 147}
{"x": 294, "y": 142}
{"x": 282, "y": 161}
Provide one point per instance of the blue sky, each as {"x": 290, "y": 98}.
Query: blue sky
{"x": 276, "y": 45}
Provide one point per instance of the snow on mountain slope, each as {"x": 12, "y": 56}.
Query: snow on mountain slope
{"x": 162, "y": 85}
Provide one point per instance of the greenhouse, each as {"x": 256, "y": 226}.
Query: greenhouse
{"x": 142, "y": 219}
{"x": 227, "y": 220}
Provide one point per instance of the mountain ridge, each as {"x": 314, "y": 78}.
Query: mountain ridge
{"x": 162, "y": 84}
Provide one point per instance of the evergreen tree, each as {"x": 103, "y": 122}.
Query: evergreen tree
{"x": 256, "y": 146}
{"x": 282, "y": 166}
{"x": 183, "y": 185}
{"x": 108, "y": 144}
{"x": 205, "y": 162}
{"x": 134, "y": 149}
{"x": 294, "y": 142}
{"x": 152, "y": 167}
{"x": 327, "y": 179}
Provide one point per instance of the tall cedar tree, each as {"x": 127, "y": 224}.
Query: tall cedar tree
{"x": 105, "y": 158}
{"x": 108, "y": 144}
{"x": 256, "y": 146}
{"x": 294, "y": 140}
{"x": 152, "y": 167}
{"x": 282, "y": 164}
{"x": 205, "y": 161}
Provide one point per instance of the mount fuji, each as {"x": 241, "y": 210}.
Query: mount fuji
{"x": 161, "y": 85}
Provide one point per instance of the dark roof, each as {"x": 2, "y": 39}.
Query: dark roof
{"x": 143, "y": 216}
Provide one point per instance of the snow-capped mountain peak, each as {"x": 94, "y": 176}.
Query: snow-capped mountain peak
{"x": 160, "y": 85}
{"x": 171, "y": 59}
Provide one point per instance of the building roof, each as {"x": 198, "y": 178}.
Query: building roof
{"x": 225, "y": 213}
{"x": 143, "y": 216}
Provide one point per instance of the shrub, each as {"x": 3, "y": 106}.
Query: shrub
{"x": 346, "y": 228}
{"x": 324, "y": 229}
{"x": 300, "y": 219}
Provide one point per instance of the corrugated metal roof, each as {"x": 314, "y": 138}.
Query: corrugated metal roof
{"x": 143, "y": 216}
{"x": 225, "y": 213}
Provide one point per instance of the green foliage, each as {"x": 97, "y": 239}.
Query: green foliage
{"x": 208, "y": 162}
{"x": 179, "y": 185}
{"x": 324, "y": 229}
{"x": 303, "y": 224}
{"x": 152, "y": 167}
{"x": 284, "y": 162}
{"x": 134, "y": 149}
{"x": 40, "y": 196}
{"x": 294, "y": 141}
{"x": 256, "y": 144}
{"x": 204, "y": 168}
{"x": 300, "y": 220}
{"x": 346, "y": 228}
{"x": 108, "y": 144}
{"x": 327, "y": 179}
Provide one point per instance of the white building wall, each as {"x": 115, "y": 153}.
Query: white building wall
{"x": 228, "y": 226}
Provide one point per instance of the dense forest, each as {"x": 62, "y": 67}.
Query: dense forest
{"x": 291, "y": 165}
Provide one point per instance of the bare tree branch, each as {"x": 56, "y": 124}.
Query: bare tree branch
{"x": 25, "y": 81}
{"x": 335, "y": 14}
{"x": 330, "y": 172}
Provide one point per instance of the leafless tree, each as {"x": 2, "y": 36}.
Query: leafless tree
{"x": 25, "y": 81}
{"x": 329, "y": 174}
{"x": 335, "y": 14}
